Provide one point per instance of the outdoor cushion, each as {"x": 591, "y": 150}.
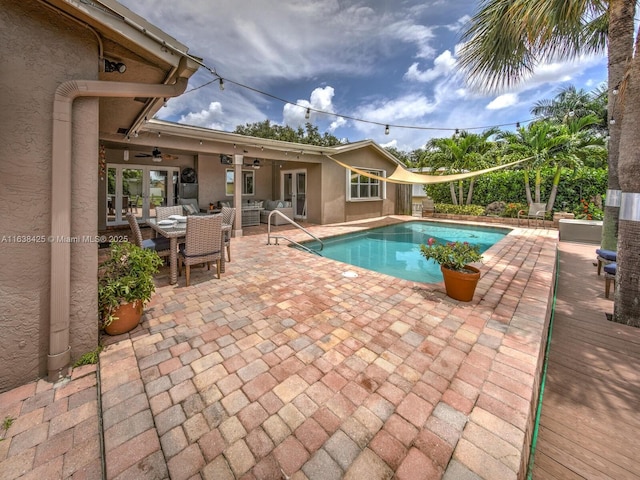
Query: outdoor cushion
{"x": 157, "y": 244}
{"x": 610, "y": 268}
{"x": 609, "y": 255}
{"x": 190, "y": 209}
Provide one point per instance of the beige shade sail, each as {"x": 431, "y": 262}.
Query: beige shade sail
{"x": 401, "y": 175}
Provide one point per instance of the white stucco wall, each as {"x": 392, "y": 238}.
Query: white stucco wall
{"x": 38, "y": 51}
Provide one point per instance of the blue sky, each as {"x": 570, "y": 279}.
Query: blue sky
{"x": 390, "y": 62}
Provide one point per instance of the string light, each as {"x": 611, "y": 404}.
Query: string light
{"x": 338, "y": 115}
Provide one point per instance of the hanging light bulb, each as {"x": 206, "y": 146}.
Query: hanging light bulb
{"x": 221, "y": 84}
{"x": 308, "y": 114}
{"x": 615, "y": 89}
{"x": 517, "y": 124}
{"x": 386, "y": 130}
{"x": 612, "y": 121}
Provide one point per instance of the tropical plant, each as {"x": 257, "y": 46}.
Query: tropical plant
{"x": 508, "y": 38}
{"x": 124, "y": 277}
{"x": 464, "y": 151}
{"x": 452, "y": 255}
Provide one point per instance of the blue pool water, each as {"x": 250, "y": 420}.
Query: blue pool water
{"x": 395, "y": 249}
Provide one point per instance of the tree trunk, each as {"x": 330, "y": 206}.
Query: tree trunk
{"x": 470, "y": 192}
{"x": 527, "y": 187}
{"x": 538, "y": 183}
{"x": 461, "y": 192}
{"x": 452, "y": 188}
{"x": 627, "y": 295}
{"x": 620, "y": 45}
{"x": 554, "y": 188}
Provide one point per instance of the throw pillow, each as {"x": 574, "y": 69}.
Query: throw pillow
{"x": 190, "y": 209}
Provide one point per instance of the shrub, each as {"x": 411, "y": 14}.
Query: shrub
{"x": 460, "y": 209}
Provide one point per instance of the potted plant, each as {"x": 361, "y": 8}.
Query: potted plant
{"x": 125, "y": 283}
{"x": 460, "y": 278}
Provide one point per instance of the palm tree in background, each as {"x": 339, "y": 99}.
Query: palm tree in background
{"x": 507, "y": 39}
{"x": 462, "y": 152}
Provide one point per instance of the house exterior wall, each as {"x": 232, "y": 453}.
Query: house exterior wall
{"x": 61, "y": 50}
{"x": 211, "y": 177}
{"x": 335, "y": 207}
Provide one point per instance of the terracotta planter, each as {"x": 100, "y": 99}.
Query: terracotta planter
{"x": 461, "y": 285}
{"x": 128, "y": 315}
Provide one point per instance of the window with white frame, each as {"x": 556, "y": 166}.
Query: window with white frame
{"x": 362, "y": 187}
{"x": 248, "y": 182}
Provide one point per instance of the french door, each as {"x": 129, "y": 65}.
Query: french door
{"x": 139, "y": 189}
{"x": 294, "y": 190}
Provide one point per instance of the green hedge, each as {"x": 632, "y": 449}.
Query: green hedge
{"x": 508, "y": 186}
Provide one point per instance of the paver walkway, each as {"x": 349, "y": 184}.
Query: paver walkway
{"x": 285, "y": 368}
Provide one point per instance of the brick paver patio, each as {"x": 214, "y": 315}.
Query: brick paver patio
{"x": 286, "y": 368}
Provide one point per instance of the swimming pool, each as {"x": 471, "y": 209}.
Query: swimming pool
{"x": 395, "y": 249}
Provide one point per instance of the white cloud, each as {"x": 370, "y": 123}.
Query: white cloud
{"x": 443, "y": 65}
{"x": 320, "y": 100}
{"x": 503, "y": 101}
{"x": 459, "y": 24}
{"x": 210, "y": 117}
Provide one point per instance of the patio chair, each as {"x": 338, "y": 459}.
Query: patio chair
{"x": 536, "y": 212}
{"x": 203, "y": 244}
{"x": 228, "y": 219}
{"x": 605, "y": 257}
{"x": 163, "y": 213}
{"x": 160, "y": 244}
{"x": 609, "y": 276}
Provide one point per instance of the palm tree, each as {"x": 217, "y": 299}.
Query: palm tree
{"x": 462, "y": 152}
{"x": 505, "y": 41}
{"x": 581, "y": 144}
{"x": 542, "y": 142}
{"x": 571, "y": 103}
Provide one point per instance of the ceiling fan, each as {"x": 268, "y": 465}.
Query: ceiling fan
{"x": 157, "y": 156}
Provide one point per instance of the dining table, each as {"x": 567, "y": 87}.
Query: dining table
{"x": 177, "y": 231}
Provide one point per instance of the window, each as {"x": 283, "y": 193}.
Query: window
{"x": 362, "y": 187}
{"x": 248, "y": 184}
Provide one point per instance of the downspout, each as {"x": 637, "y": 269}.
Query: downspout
{"x": 59, "y": 355}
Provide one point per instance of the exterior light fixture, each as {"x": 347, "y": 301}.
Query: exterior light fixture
{"x": 110, "y": 66}
{"x": 308, "y": 114}
{"x": 386, "y": 130}
{"x": 221, "y": 84}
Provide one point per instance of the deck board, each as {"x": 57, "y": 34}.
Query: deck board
{"x": 590, "y": 421}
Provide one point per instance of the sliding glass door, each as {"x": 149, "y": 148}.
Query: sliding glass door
{"x": 139, "y": 189}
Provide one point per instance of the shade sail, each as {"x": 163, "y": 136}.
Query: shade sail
{"x": 401, "y": 175}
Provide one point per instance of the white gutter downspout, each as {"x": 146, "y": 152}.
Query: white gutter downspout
{"x": 59, "y": 348}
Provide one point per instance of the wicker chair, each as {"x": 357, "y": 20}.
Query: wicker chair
{"x": 163, "y": 213}
{"x": 161, "y": 245}
{"x": 203, "y": 244}
{"x": 228, "y": 219}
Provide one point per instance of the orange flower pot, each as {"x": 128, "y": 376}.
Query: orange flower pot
{"x": 129, "y": 316}
{"x": 461, "y": 285}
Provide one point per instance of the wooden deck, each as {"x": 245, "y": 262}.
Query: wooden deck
{"x": 590, "y": 422}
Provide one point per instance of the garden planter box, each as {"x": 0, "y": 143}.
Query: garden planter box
{"x": 587, "y": 231}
